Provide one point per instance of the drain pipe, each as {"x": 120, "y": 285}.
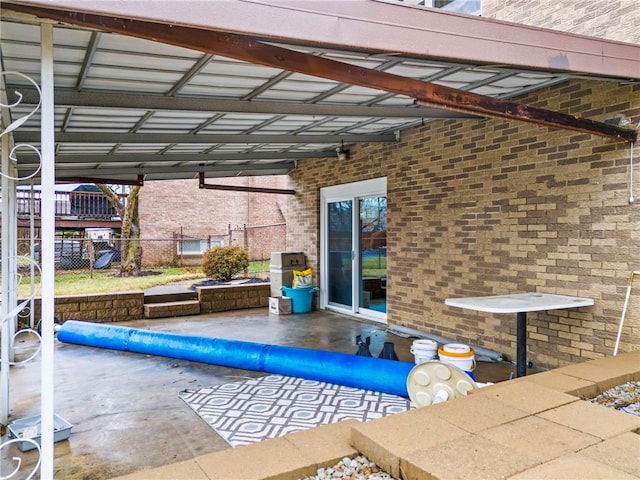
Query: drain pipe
{"x": 377, "y": 374}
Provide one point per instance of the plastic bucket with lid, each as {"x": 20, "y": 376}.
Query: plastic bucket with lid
{"x": 424, "y": 350}
{"x": 458, "y": 355}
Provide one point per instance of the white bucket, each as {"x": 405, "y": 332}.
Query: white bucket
{"x": 424, "y": 350}
{"x": 458, "y": 355}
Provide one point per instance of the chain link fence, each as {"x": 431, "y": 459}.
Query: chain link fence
{"x": 82, "y": 255}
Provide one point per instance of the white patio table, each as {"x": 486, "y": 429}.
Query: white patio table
{"x": 520, "y": 304}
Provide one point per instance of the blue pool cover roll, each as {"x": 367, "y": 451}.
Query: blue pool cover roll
{"x": 377, "y": 374}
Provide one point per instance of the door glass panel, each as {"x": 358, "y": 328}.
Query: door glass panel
{"x": 373, "y": 253}
{"x": 340, "y": 240}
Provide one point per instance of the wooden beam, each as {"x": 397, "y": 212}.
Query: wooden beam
{"x": 246, "y": 49}
{"x": 238, "y": 188}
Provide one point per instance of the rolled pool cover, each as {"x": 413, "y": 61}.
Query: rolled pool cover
{"x": 377, "y": 374}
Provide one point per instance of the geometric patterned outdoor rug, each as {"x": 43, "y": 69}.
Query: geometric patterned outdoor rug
{"x": 267, "y": 407}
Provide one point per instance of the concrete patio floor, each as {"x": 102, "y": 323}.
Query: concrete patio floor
{"x": 125, "y": 410}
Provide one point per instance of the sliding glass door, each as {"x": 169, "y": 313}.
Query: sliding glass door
{"x": 354, "y": 248}
{"x": 372, "y": 248}
{"x": 340, "y": 252}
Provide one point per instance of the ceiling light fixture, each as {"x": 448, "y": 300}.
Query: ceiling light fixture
{"x": 343, "y": 153}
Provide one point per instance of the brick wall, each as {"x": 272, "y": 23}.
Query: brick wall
{"x": 481, "y": 207}
{"x": 265, "y": 208}
{"x": 611, "y": 19}
{"x": 264, "y": 239}
{"x": 266, "y": 225}
{"x": 168, "y": 207}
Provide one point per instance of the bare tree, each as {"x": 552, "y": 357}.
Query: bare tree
{"x": 131, "y": 249}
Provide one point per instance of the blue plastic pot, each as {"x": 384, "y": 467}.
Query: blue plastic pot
{"x": 301, "y": 298}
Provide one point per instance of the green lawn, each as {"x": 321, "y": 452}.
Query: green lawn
{"x": 259, "y": 268}
{"x": 70, "y": 282}
{"x": 79, "y": 282}
{"x": 374, "y": 267}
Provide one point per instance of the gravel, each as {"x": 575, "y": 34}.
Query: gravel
{"x": 358, "y": 468}
{"x": 625, "y": 397}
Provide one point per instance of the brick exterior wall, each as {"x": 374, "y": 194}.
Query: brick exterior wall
{"x": 266, "y": 223}
{"x": 264, "y": 239}
{"x": 611, "y": 19}
{"x": 169, "y": 207}
{"x": 482, "y": 207}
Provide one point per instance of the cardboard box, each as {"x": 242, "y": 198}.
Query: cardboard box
{"x": 280, "y": 305}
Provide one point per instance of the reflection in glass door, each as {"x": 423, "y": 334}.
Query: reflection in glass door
{"x": 340, "y": 258}
{"x": 373, "y": 253}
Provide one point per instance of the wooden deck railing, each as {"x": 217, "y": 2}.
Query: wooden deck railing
{"x": 78, "y": 205}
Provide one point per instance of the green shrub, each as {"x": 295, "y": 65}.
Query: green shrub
{"x": 222, "y": 263}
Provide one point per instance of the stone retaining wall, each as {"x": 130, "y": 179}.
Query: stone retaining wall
{"x": 233, "y": 297}
{"x": 125, "y": 306}
{"x": 97, "y": 307}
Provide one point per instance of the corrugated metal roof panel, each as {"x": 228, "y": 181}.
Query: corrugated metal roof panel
{"x": 98, "y": 63}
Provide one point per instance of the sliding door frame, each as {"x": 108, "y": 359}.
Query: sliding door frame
{"x": 347, "y": 192}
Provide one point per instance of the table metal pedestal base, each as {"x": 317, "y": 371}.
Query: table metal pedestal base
{"x": 521, "y": 344}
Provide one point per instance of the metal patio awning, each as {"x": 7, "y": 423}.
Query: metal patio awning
{"x": 129, "y": 108}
